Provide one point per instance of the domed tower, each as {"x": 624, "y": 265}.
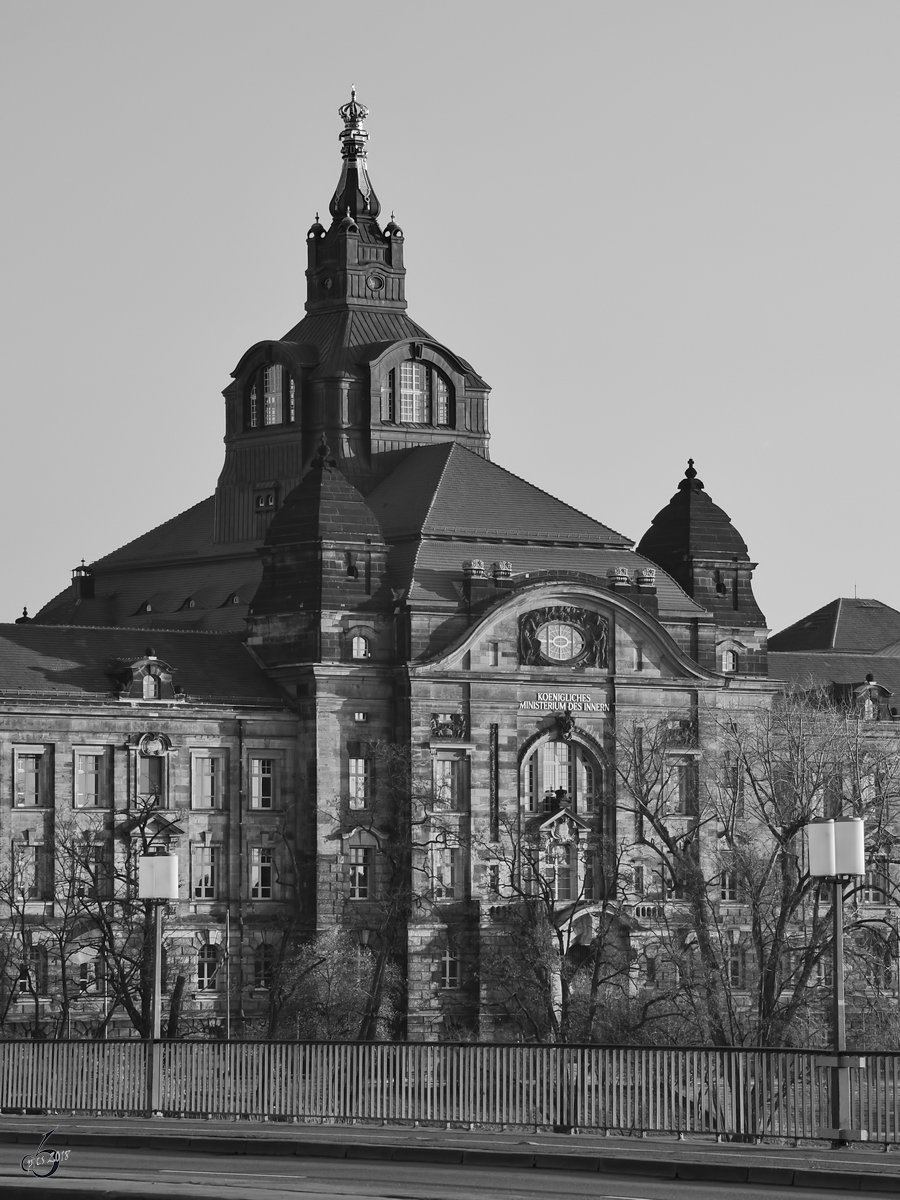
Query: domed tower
{"x": 695, "y": 542}
{"x": 356, "y": 369}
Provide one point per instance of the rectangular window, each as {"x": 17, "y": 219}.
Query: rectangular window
{"x": 877, "y": 886}
{"x": 446, "y": 872}
{"x": 561, "y": 874}
{"x": 100, "y": 871}
{"x": 93, "y": 769}
{"x": 207, "y": 968}
{"x": 150, "y": 778}
{"x": 207, "y": 780}
{"x": 493, "y": 879}
{"x": 450, "y": 970}
{"x": 263, "y": 779}
{"x": 728, "y": 885}
{"x": 204, "y": 870}
{"x": 33, "y": 872}
{"x": 737, "y": 967}
{"x": 449, "y": 777}
{"x": 91, "y": 976}
{"x": 360, "y": 860}
{"x": 683, "y": 789}
{"x": 33, "y": 777}
{"x": 262, "y": 873}
{"x": 273, "y": 413}
{"x": 360, "y": 781}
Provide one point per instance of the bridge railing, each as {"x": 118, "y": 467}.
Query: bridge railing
{"x": 732, "y": 1093}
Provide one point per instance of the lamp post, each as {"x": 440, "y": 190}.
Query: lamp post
{"x": 837, "y": 852}
{"x": 157, "y": 882}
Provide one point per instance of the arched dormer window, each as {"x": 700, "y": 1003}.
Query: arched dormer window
{"x": 359, "y": 647}
{"x": 271, "y": 397}
{"x": 729, "y": 662}
{"x": 417, "y": 393}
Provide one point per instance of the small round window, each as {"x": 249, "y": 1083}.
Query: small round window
{"x": 560, "y": 642}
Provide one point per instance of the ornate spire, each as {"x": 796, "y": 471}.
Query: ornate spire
{"x": 354, "y": 192}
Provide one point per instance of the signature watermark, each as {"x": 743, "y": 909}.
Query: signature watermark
{"x": 45, "y": 1161}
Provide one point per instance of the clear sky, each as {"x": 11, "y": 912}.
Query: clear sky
{"x": 658, "y": 228}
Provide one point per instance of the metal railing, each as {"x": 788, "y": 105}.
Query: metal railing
{"x": 732, "y": 1093}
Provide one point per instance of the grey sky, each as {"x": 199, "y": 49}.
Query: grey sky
{"x": 658, "y": 229}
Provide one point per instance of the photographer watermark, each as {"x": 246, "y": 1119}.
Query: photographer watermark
{"x": 45, "y": 1161}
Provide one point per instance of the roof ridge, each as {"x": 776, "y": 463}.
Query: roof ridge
{"x": 837, "y": 621}
{"x": 147, "y": 532}
{"x": 437, "y": 487}
{"x": 594, "y": 521}
{"x": 119, "y": 628}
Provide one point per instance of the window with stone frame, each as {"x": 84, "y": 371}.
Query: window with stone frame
{"x": 562, "y": 772}
{"x": 877, "y": 883}
{"x": 100, "y": 870}
{"x": 207, "y": 779}
{"x": 729, "y": 880}
{"x": 34, "y": 975}
{"x": 204, "y": 871}
{"x": 417, "y": 393}
{"x": 450, "y": 970}
{"x": 447, "y": 880}
{"x": 263, "y": 965}
{"x": 263, "y": 782}
{"x": 207, "y": 968}
{"x": 737, "y": 967}
{"x": 360, "y": 647}
{"x": 560, "y": 870}
{"x": 450, "y": 780}
{"x": 682, "y": 788}
{"x": 361, "y": 866}
{"x": 92, "y": 774}
{"x": 263, "y": 876}
{"x": 359, "y": 775}
{"x": 32, "y": 871}
{"x": 33, "y": 776}
{"x": 91, "y": 976}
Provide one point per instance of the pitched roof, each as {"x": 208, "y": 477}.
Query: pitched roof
{"x": 78, "y": 662}
{"x": 845, "y": 624}
{"x": 833, "y": 667}
{"x": 447, "y": 490}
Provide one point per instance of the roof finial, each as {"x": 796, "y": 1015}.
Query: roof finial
{"x": 690, "y": 483}
{"x": 354, "y": 190}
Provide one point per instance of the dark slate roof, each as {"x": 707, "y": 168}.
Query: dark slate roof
{"x": 844, "y": 624}
{"x": 360, "y": 334}
{"x": 691, "y": 526}
{"x": 78, "y": 662}
{"x": 433, "y": 569}
{"x": 447, "y": 490}
{"x": 828, "y": 668}
{"x": 323, "y": 505}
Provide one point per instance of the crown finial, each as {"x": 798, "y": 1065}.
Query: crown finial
{"x": 354, "y": 188}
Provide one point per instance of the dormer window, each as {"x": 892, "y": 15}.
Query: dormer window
{"x": 271, "y": 398}
{"x": 416, "y": 393}
{"x": 729, "y": 661}
{"x": 359, "y": 647}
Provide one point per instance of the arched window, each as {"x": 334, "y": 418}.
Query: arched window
{"x": 359, "y": 647}
{"x": 561, "y": 772}
{"x": 416, "y": 393}
{"x": 151, "y": 687}
{"x": 271, "y": 397}
{"x": 729, "y": 661}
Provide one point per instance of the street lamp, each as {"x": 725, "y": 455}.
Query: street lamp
{"x": 837, "y": 852}
{"x": 157, "y": 882}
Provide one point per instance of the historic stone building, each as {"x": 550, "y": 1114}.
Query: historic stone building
{"x": 358, "y": 682}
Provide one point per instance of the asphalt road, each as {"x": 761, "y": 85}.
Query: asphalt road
{"x": 135, "y": 1173}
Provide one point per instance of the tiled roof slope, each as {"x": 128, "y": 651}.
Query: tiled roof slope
{"x": 432, "y": 569}
{"x": 77, "y": 662}
{"x": 827, "y": 668}
{"x": 847, "y": 624}
{"x": 446, "y": 490}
